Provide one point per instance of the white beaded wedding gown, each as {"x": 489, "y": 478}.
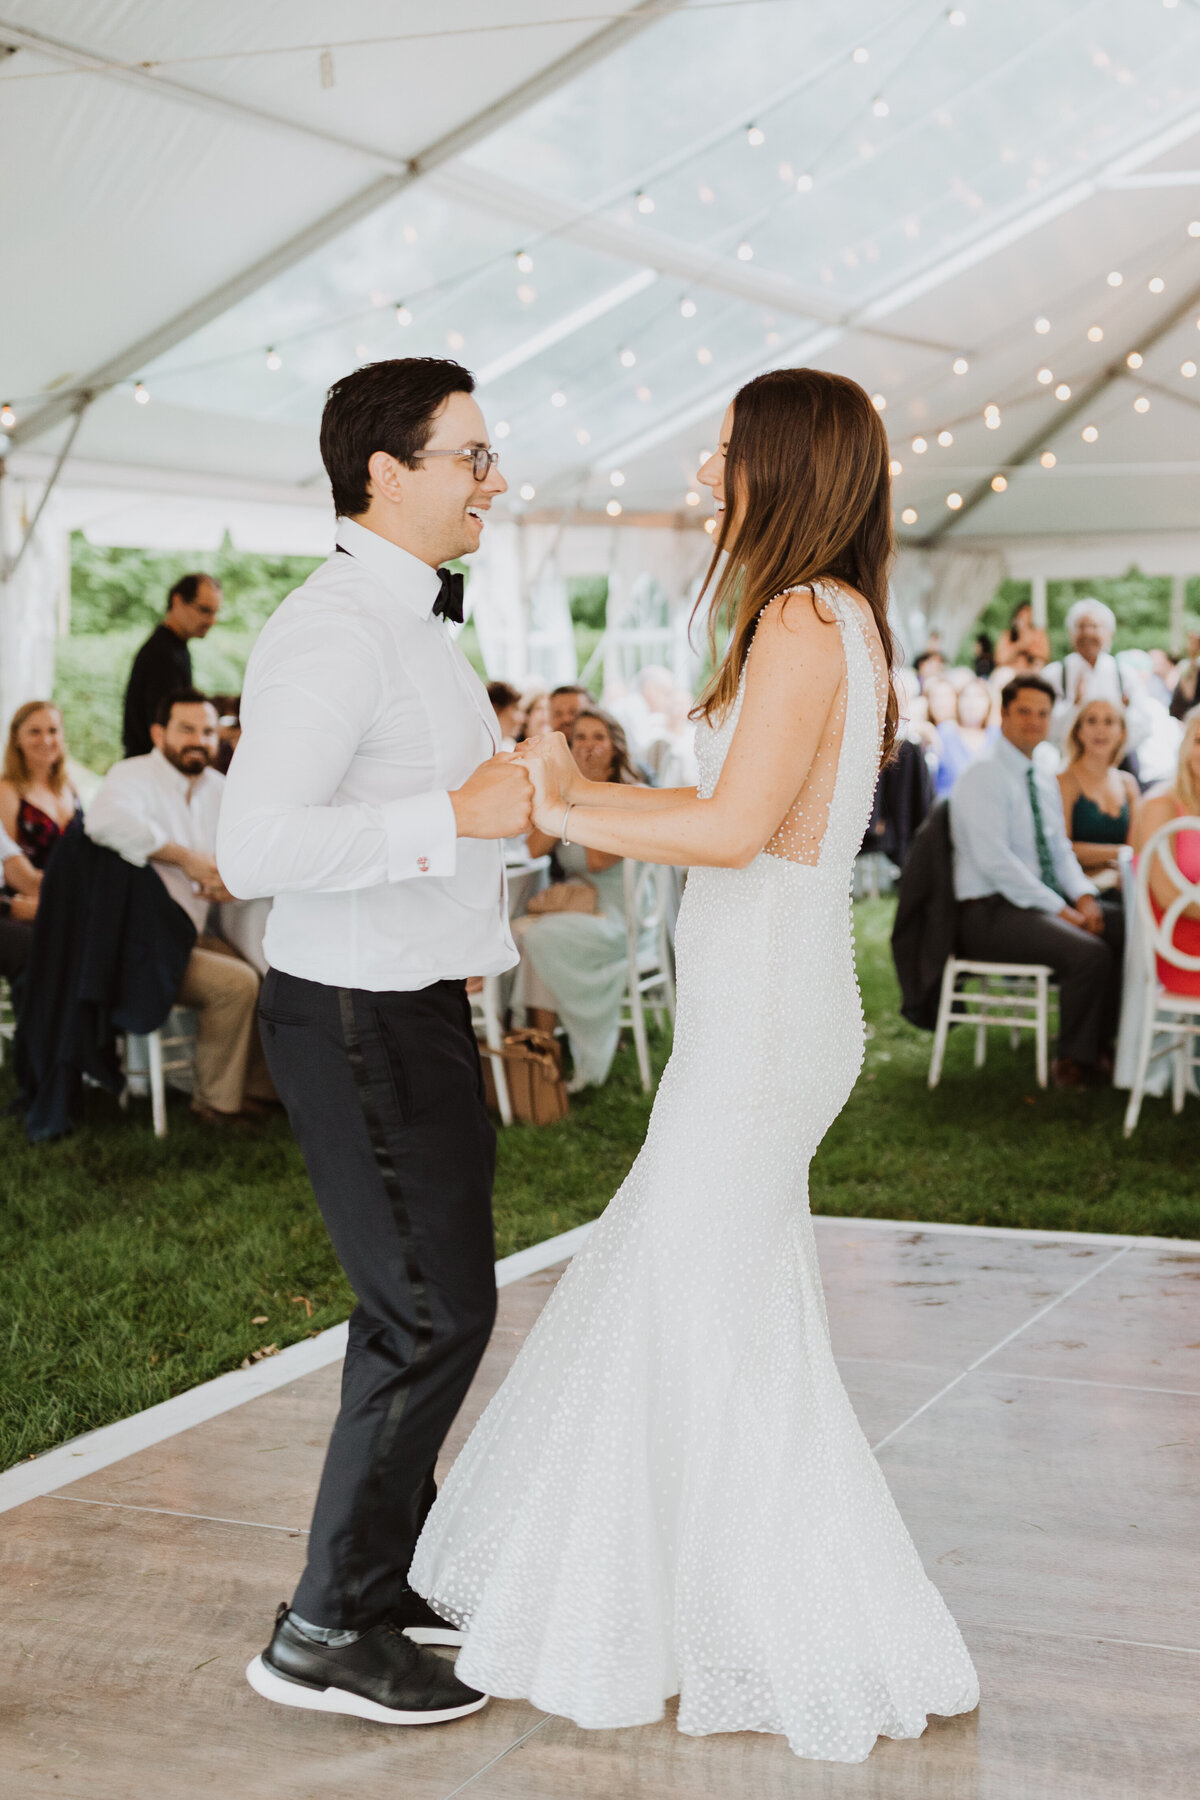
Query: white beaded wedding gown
{"x": 671, "y": 1494}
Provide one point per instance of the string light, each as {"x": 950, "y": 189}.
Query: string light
{"x": 1134, "y": 359}
{"x": 960, "y": 365}
{"x": 710, "y": 525}
{"x": 1062, "y": 391}
{"x": 8, "y": 417}
{"x": 745, "y": 252}
{"x": 1089, "y": 434}
{"x": 879, "y": 107}
{"x": 956, "y": 16}
{"x": 528, "y": 491}
{"x": 526, "y": 294}
{"x": 945, "y": 439}
{"x": 502, "y": 428}
{"x": 691, "y": 498}
{"x": 861, "y": 54}
{"x": 706, "y": 194}
{"x": 1187, "y": 369}
{"x": 627, "y": 359}
{"x": 895, "y": 468}
{"x": 1141, "y": 404}
{"x": 687, "y": 308}
{"x": 644, "y": 203}
{"x": 644, "y": 394}
{"x": 558, "y": 398}
{"x": 878, "y": 402}
{"x": 1041, "y": 326}
{"x": 1095, "y": 334}
{"x": 999, "y": 483}
{"x": 616, "y": 478}
{"x": 403, "y": 316}
{"x": 919, "y": 446}
{"x": 455, "y": 339}
{"x": 954, "y": 501}
{"x": 804, "y": 184}
{"x": 614, "y": 509}
{"x": 1045, "y": 376}
{"x": 582, "y": 435}
{"x": 1194, "y": 228}
{"x": 991, "y": 416}
{"x": 1115, "y": 278}
{"x": 786, "y": 172}
{"x": 274, "y": 360}
{"x": 141, "y": 394}
{"x": 524, "y": 262}
{"x": 704, "y": 356}
{"x": 909, "y": 515}
{"x": 1156, "y": 284}
{"x": 755, "y": 136}
{"x": 1047, "y": 459}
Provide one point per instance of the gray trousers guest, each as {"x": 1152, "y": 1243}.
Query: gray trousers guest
{"x": 1087, "y": 967}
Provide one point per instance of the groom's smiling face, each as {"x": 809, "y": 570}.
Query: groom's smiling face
{"x": 439, "y": 506}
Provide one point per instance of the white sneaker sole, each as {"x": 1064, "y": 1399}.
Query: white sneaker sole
{"x": 264, "y": 1681}
{"x": 448, "y": 1635}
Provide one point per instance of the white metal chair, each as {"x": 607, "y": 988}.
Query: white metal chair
{"x": 650, "y": 979}
{"x": 8, "y": 1018}
{"x": 485, "y": 1017}
{"x": 146, "y": 1061}
{"x": 1176, "y": 1017}
{"x": 1015, "y": 995}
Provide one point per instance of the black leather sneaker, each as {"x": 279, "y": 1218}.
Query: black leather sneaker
{"x": 382, "y": 1676}
{"x": 418, "y": 1621}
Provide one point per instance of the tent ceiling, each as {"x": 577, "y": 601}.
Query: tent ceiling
{"x": 927, "y": 201}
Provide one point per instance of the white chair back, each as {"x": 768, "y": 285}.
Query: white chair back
{"x": 1158, "y": 935}
{"x": 650, "y": 976}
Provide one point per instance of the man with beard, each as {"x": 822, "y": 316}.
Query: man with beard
{"x": 162, "y": 809}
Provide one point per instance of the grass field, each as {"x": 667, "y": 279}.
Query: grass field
{"x": 132, "y": 1269}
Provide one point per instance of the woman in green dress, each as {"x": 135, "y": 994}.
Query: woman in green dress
{"x": 1099, "y": 802}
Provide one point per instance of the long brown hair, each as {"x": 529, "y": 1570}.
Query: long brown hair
{"x": 807, "y": 465}
{"x": 16, "y": 769}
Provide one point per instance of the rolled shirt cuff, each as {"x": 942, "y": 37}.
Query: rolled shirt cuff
{"x": 422, "y": 836}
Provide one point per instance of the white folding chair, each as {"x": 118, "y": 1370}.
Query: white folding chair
{"x": 485, "y": 1016}
{"x": 8, "y": 1018}
{"x": 649, "y": 979}
{"x": 1174, "y": 1017}
{"x": 1012, "y": 995}
{"x": 147, "y": 1060}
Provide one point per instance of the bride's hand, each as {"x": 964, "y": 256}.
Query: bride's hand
{"x": 552, "y": 749}
{"x": 549, "y": 802}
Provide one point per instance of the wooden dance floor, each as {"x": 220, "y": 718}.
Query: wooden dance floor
{"x": 1035, "y": 1402}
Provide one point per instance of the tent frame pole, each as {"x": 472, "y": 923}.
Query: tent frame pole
{"x": 10, "y": 566}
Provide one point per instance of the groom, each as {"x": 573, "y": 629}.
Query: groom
{"x": 367, "y": 797}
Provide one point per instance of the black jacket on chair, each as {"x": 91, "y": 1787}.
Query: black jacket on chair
{"x": 903, "y": 796}
{"x": 110, "y": 948}
{"x": 926, "y": 917}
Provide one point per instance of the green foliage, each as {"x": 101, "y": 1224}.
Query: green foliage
{"x": 588, "y": 598}
{"x": 114, "y": 588}
{"x": 1140, "y": 602}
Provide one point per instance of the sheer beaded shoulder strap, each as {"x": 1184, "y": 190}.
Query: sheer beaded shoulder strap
{"x": 824, "y": 817}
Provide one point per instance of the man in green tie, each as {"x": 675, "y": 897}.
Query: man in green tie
{"x": 1022, "y": 894}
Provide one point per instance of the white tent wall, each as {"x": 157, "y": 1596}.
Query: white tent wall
{"x": 34, "y": 599}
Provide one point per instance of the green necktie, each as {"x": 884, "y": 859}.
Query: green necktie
{"x": 1045, "y": 860}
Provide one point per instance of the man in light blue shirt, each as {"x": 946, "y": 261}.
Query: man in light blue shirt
{"x": 1022, "y": 894}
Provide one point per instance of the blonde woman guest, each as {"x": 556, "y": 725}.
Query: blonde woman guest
{"x": 573, "y": 963}
{"x": 1177, "y": 799}
{"x": 37, "y": 801}
{"x": 1100, "y": 802}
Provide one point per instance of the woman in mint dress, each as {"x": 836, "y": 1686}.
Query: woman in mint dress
{"x": 573, "y": 964}
{"x": 1100, "y": 802}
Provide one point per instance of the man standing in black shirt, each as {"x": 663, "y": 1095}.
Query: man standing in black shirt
{"x": 164, "y": 662}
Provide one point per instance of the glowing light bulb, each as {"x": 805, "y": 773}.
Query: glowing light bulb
{"x": 1156, "y": 284}
{"x": 528, "y": 491}
{"x": 755, "y": 136}
{"x": 526, "y": 294}
{"x": 644, "y": 394}
{"x": 455, "y": 339}
{"x": 1095, "y": 334}
{"x": 582, "y": 435}
{"x": 1045, "y": 376}
{"x": 616, "y": 478}
{"x": 141, "y": 395}
{"x": 1089, "y": 434}
{"x": 627, "y": 359}
{"x": 1041, "y": 326}
{"x": 878, "y": 402}
{"x": 502, "y": 428}
{"x": 919, "y": 446}
{"x": 687, "y": 309}
{"x": 1134, "y": 359}
{"x": 1187, "y": 369}
{"x": 999, "y": 483}
{"x": 1141, "y": 404}
{"x": 691, "y": 498}
{"x": 710, "y": 525}
{"x": 704, "y": 356}
{"x": 861, "y": 54}
{"x": 1115, "y": 278}
{"x": 954, "y": 501}
{"x": 274, "y": 360}
{"x": 956, "y": 16}
{"x": 895, "y": 468}
{"x": 614, "y": 509}
{"x": 524, "y": 262}
{"x": 645, "y": 204}
{"x": 8, "y": 417}
{"x": 706, "y": 194}
{"x": 945, "y": 439}
{"x": 745, "y": 252}
{"x": 558, "y": 398}
{"x": 1047, "y": 459}
{"x": 403, "y": 316}
{"x": 1194, "y": 228}
{"x": 960, "y": 365}
{"x": 909, "y": 515}
{"x": 804, "y": 184}
{"x": 1062, "y": 391}
{"x": 879, "y": 107}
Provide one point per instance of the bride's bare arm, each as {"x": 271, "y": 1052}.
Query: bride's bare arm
{"x": 792, "y": 676}
{"x": 573, "y": 786}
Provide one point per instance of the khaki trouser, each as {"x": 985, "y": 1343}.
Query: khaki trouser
{"x": 223, "y": 990}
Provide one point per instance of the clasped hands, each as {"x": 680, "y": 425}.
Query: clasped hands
{"x": 517, "y": 790}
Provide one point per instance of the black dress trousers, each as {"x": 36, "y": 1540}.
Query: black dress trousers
{"x": 1088, "y": 967}
{"x": 385, "y": 1096}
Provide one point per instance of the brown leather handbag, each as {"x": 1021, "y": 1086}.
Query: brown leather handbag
{"x": 564, "y": 896}
{"x": 533, "y": 1069}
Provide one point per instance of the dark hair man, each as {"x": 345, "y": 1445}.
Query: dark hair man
{"x": 368, "y": 798}
{"x": 566, "y": 702}
{"x": 164, "y": 661}
{"x": 1023, "y": 896}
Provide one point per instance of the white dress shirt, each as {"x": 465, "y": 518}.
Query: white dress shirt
{"x": 8, "y": 847}
{"x": 991, "y": 828}
{"x": 359, "y": 715}
{"x": 146, "y": 802}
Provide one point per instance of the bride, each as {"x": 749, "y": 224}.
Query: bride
{"x": 671, "y": 1494}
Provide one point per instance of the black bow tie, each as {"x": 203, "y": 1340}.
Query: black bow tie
{"x": 449, "y": 603}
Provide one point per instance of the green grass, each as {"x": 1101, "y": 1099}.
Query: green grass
{"x": 132, "y": 1269}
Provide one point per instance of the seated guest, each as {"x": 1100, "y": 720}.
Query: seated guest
{"x": 510, "y": 715}
{"x": 1186, "y": 691}
{"x": 1024, "y": 646}
{"x": 961, "y": 722}
{"x": 573, "y": 963}
{"x": 1179, "y": 799}
{"x": 162, "y": 809}
{"x": 535, "y": 703}
{"x": 565, "y": 704}
{"x": 930, "y": 666}
{"x": 1022, "y": 894}
{"x": 983, "y": 659}
{"x": 1100, "y": 802}
{"x": 1089, "y": 671}
{"x": 163, "y": 665}
{"x": 18, "y": 906}
{"x": 37, "y": 802}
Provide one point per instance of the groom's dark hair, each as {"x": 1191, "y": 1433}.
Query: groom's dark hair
{"x": 385, "y": 406}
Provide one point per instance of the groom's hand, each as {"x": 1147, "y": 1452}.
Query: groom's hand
{"x": 496, "y": 801}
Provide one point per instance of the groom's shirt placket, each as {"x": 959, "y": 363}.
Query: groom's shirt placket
{"x": 359, "y": 716}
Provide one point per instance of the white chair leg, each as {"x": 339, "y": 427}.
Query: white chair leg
{"x": 638, "y": 1020}
{"x": 158, "y": 1090}
{"x": 494, "y": 1034}
{"x": 943, "y": 1023}
{"x": 981, "y": 1028}
{"x": 1137, "y": 1091}
{"x": 1042, "y": 1030}
{"x": 1179, "y": 1073}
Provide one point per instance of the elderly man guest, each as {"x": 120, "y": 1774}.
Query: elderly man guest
{"x": 1090, "y": 671}
{"x": 164, "y": 663}
{"x": 162, "y": 809}
{"x": 1022, "y": 894}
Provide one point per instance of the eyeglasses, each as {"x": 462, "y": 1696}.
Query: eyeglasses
{"x": 482, "y": 461}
